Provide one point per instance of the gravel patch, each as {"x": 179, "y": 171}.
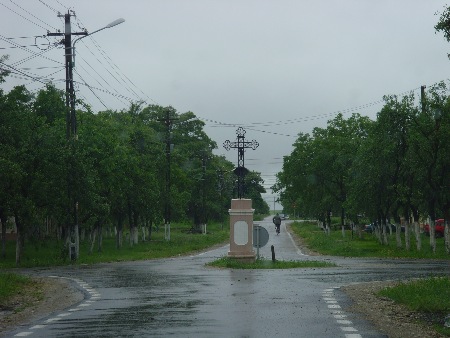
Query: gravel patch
{"x": 41, "y": 298}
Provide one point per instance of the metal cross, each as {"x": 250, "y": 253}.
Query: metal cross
{"x": 241, "y": 145}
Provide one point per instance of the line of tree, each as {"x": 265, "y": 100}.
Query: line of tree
{"x": 115, "y": 170}
{"x": 396, "y": 167}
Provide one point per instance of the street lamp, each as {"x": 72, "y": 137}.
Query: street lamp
{"x": 71, "y": 118}
{"x": 111, "y": 24}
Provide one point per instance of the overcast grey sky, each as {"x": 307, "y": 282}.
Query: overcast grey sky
{"x": 276, "y": 67}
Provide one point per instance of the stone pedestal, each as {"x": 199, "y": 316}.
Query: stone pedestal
{"x": 241, "y": 230}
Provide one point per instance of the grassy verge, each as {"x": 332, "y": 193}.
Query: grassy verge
{"x": 17, "y": 292}
{"x": 430, "y": 296}
{"x": 11, "y": 284}
{"x": 367, "y": 246}
{"x": 52, "y": 253}
{"x": 226, "y": 262}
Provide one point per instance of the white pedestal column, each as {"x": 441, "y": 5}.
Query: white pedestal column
{"x": 241, "y": 230}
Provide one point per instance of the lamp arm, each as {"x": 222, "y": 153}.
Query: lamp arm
{"x": 112, "y": 24}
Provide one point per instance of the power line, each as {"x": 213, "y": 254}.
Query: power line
{"x": 61, "y": 4}
{"x": 51, "y": 79}
{"x": 34, "y": 16}
{"x": 48, "y": 6}
{"x": 106, "y": 82}
{"x": 302, "y": 119}
{"x": 107, "y": 92}
{"x": 25, "y": 37}
{"x": 17, "y": 71}
{"x": 101, "y": 85}
{"x": 85, "y": 83}
{"x": 98, "y": 74}
{"x": 34, "y": 23}
{"x": 25, "y": 46}
{"x": 29, "y": 68}
{"x": 118, "y": 71}
{"x": 34, "y": 54}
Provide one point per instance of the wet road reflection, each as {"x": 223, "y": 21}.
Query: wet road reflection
{"x": 183, "y": 298}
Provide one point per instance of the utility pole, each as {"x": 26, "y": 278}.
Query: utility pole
{"x": 221, "y": 187}
{"x": 168, "y": 122}
{"x": 204, "y": 218}
{"x": 71, "y": 122}
{"x": 71, "y": 131}
{"x": 422, "y": 97}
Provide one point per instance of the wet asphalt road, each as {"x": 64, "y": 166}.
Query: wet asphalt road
{"x": 180, "y": 297}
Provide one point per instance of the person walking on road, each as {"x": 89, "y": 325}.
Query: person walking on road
{"x": 277, "y": 221}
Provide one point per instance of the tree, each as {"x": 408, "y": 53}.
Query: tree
{"x": 23, "y": 167}
{"x": 430, "y": 143}
{"x": 253, "y": 188}
{"x": 317, "y": 173}
{"x": 3, "y": 71}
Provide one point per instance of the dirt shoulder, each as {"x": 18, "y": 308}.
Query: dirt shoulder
{"x": 38, "y": 300}
{"x": 387, "y": 316}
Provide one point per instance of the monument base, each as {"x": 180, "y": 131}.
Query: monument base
{"x": 241, "y": 230}
{"x": 240, "y": 257}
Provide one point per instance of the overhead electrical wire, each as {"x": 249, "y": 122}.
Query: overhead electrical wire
{"x": 61, "y": 4}
{"x": 112, "y": 69}
{"x": 106, "y": 91}
{"x": 98, "y": 74}
{"x": 12, "y": 10}
{"x": 14, "y": 47}
{"x": 51, "y": 80}
{"x": 34, "y": 54}
{"x": 117, "y": 70}
{"x": 34, "y": 16}
{"x": 251, "y": 126}
{"x": 124, "y": 79}
{"x": 85, "y": 83}
{"x": 130, "y": 90}
{"x": 25, "y": 37}
{"x": 17, "y": 71}
{"x": 108, "y": 69}
{"x": 48, "y": 6}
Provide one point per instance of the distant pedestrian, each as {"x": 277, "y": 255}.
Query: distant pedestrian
{"x": 277, "y": 221}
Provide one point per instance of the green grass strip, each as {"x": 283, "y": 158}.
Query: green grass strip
{"x": 425, "y": 295}
{"x": 11, "y": 284}
{"x": 351, "y": 245}
{"x": 231, "y": 263}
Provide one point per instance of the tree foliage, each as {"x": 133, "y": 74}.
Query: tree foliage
{"x": 393, "y": 167}
{"x": 116, "y": 169}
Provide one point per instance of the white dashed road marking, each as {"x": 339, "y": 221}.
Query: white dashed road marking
{"x": 93, "y": 296}
{"x": 340, "y": 316}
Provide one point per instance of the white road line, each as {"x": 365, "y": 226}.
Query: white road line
{"x": 344, "y": 324}
{"x": 92, "y": 292}
{"x": 51, "y": 320}
{"x": 299, "y": 252}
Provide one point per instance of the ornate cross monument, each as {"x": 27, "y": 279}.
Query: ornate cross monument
{"x": 241, "y": 145}
{"x": 241, "y": 212}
